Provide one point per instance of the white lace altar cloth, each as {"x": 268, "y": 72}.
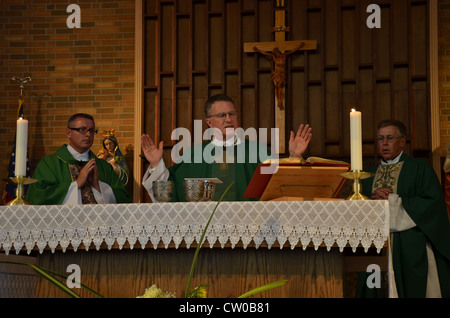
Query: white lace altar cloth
{"x": 338, "y": 223}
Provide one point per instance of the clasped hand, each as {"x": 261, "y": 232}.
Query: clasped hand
{"x": 89, "y": 173}
{"x": 381, "y": 194}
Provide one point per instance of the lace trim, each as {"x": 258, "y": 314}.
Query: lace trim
{"x": 289, "y": 223}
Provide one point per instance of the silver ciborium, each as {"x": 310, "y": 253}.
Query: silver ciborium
{"x": 163, "y": 190}
{"x": 196, "y": 190}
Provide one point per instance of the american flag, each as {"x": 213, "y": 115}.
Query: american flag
{"x": 10, "y": 190}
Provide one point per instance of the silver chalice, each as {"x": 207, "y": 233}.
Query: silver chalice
{"x": 163, "y": 190}
{"x": 196, "y": 190}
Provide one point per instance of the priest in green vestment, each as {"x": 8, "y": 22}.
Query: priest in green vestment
{"x": 227, "y": 156}
{"x": 73, "y": 174}
{"x": 420, "y": 229}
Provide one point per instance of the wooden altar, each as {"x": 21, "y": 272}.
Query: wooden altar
{"x": 247, "y": 245}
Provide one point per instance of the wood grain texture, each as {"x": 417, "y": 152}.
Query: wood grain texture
{"x": 305, "y": 181}
{"x": 228, "y": 272}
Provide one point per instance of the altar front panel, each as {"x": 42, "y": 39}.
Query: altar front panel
{"x": 123, "y": 249}
{"x": 227, "y": 272}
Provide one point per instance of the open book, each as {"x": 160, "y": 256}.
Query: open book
{"x": 310, "y": 160}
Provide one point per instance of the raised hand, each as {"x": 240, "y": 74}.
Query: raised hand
{"x": 300, "y": 141}
{"x": 152, "y": 153}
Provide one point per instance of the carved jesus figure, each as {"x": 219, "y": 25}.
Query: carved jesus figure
{"x": 279, "y": 72}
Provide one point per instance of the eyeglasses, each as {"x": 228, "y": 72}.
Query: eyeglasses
{"x": 390, "y": 139}
{"x": 84, "y": 130}
{"x": 223, "y": 116}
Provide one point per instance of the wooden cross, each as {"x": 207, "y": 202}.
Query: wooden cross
{"x": 279, "y": 50}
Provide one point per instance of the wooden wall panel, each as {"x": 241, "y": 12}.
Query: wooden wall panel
{"x": 331, "y": 33}
{"x": 249, "y": 63}
{"x": 167, "y": 35}
{"x": 232, "y": 36}
{"x": 332, "y": 132}
{"x": 365, "y": 37}
{"x": 183, "y": 52}
{"x": 419, "y": 39}
{"x": 383, "y": 46}
{"x": 401, "y": 92}
{"x": 399, "y": 29}
{"x": 216, "y": 50}
{"x": 264, "y": 102}
{"x": 315, "y": 115}
{"x": 348, "y": 56}
{"x": 315, "y": 65}
{"x": 248, "y": 99}
{"x": 183, "y": 115}
{"x": 421, "y": 127}
{"x": 150, "y": 64}
{"x": 298, "y": 97}
{"x": 194, "y": 49}
{"x": 200, "y": 37}
{"x": 366, "y": 97}
{"x": 151, "y": 111}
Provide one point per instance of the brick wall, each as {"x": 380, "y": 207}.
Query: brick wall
{"x": 88, "y": 69}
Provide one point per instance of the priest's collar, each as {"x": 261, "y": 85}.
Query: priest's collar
{"x": 227, "y": 143}
{"x": 78, "y": 156}
{"x": 392, "y": 161}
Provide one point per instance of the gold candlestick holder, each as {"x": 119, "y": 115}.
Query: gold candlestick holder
{"x": 357, "y": 176}
{"x": 20, "y": 182}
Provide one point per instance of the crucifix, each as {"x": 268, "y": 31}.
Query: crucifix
{"x": 279, "y": 50}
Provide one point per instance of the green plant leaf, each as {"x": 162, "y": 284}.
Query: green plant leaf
{"x": 194, "y": 261}
{"x": 54, "y": 281}
{"x": 81, "y": 284}
{"x": 263, "y": 288}
{"x": 45, "y": 273}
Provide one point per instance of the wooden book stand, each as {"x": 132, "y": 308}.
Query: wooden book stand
{"x": 298, "y": 182}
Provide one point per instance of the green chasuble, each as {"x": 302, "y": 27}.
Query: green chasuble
{"x": 54, "y": 178}
{"x": 423, "y": 199}
{"x": 246, "y": 159}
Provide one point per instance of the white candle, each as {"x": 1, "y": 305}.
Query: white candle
{"x": 356, "y": 140}
{"x": 21, "y": 147}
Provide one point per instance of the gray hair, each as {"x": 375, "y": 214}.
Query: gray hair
{"x": 393, "y": 122}
{"x": 217, "y": 98}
